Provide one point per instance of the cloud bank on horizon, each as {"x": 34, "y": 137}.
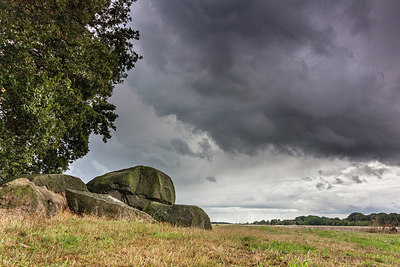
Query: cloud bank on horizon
{"x": 312, "y": 77}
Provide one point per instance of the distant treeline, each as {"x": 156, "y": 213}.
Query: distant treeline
{"x": 354, "y": 219}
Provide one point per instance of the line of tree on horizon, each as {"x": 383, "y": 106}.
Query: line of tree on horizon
{"x": 354, "y": 219}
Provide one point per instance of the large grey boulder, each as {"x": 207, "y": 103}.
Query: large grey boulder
{"x": 55, "y": 182}
{"x": 135, "y": 186}
{"x": 81, "y": 202}
{"x": 179, "y": 215}
{"x": 21, "y": 194}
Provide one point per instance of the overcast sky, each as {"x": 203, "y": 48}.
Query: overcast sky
{"x": 263, "y": 109}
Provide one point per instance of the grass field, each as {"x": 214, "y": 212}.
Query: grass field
{"x": 68, "y": 240}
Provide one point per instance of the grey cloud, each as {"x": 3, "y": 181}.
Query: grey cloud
{"x": 338, "y": 181}
{"x": 211, "y": 179}
{"x": 320, "y": 186}
{"x": 269, "y": 74}
{"x": 358, "y": 180}
{"x": 353, "y": 173}
{"x": 307, "y": 179}
{"x": 377, "y": 172}
{"x": 206, "y": 149}
{"x": 181, "y": 147}
{"x": 324, "y": 185}
{"x": 359, "y": 11}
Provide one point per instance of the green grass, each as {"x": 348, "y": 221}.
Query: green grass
{"x": 290, "y": 247}
{"x": 253, "y": 243}
{"x": 167, "y": 235}
{"x": 68, "y": 240}
{"x": 379, "y": 241}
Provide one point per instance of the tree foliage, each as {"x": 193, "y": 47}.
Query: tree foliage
{"x": 354, "y": 219}
{"x": 59, "y": 63}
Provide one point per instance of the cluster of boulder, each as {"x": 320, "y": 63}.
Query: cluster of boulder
{"x": 140, "y": 193}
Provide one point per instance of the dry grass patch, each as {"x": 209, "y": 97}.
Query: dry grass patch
{"x": 68, "y": 240}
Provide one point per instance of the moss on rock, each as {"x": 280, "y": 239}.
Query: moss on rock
{"x": 179, "y": 215}
{"x": 24, "y": 195}
{"x": 19, "y": 196}
{"x": 136, "y": 186}
{"x": 55, "y": 182}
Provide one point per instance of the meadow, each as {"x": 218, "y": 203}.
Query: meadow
{"x": 69, "y": 240}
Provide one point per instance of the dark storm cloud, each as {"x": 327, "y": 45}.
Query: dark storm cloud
{"x": 270, "y": 74}
{"x": 359, "y": 12}
{"x": 211, "y": 179}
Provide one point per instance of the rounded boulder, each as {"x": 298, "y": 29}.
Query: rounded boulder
{"x": 81, "y": 202}
{"x": 55, "y": 182}
{"x": 21, "y": 194}
{"x": 179, "y": 215}
{"x": 135, "y": 186}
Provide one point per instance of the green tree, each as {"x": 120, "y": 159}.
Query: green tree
{"x": 357, "y": 216}
{"x": 313, "y": 220}
{"x": 59, "y": 63}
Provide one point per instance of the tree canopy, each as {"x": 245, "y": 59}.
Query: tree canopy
{"x": 354, "y": 219}
{"x": 59, "y": 63}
